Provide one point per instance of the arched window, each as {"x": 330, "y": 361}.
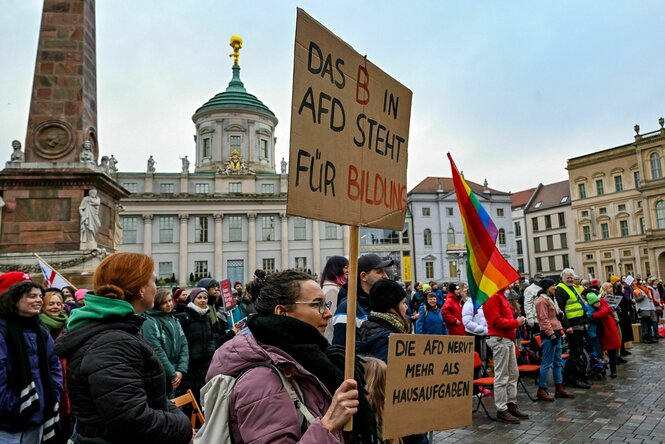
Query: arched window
{"x": 660, "y": 214}
{"x": 656, "y": 168}
{"x": 451, "y": 235}
{"x": 427, "y": 234}
{"x": 502, "y": 236}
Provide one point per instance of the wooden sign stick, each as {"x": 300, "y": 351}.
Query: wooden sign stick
{"x": 350, "y": 353}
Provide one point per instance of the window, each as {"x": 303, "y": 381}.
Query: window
{"x": 235, "y": 270}
{"x": 602, "y": 210}
{"x": 629, "y": 269}
{"x": 591, "y": 271}
{"x": 534, "y": 222}
{"x": 451, "y": 235}
{"x": 621, "y": 207}
{"x": 539, "y": 264}
{"x": 502, "y": 236}
{"x": 449, "y": 211}
{"x": 564, "y": 199}
{"x": 235, "y": 143}
{"x": 301, "y": 263}
{"x": 639, "y": 204}
{"x": 550, "y": 242}
{"x": 269, "y": 265}
{"x": 129, "y": 225}
{"x": 235, "y": 228}
{"x": 562, "y": 220}
{"x": 264, "y": 148}
{"x": 426, "y": 212}
{"x": 636, "y": 176}
{"x": 331, "y": 231}
{"x": 584, "y": 213}
{"x": 589, "y": 257}
{"x": 564, "y": 259}
{"x": 600, "y": 189}
{"x": 235, "y": 187}
{"x": 427, "y": 237}
{"x": 538, "y": 204}
{"x": 552, "y": 262}
{"x": 519, "y": 247}
{"x": 299, "y": 228}
{"x": 564, "y": 241}
{"x": 499, "y": 212}
{"x": 200, "y": 269}
{"x": 266, "y": 188}
{"x": 581, "y": 188}
{"x": 165, "y": 270}
{"x": 166, "y": 188}
{"x": 429, "y": 270}
{"x": 132, "y": 187}
{"x": 643, "y": 227}
{"x": 268, "y": 228}
{"x": 520, "y": 265}
{"x": 660, "y": 214}
{"x": 627, "y": 253}
{"x": 656, "y": 169}
{"x": 607, "y": 254}
{"x": 605, "y": 230}
{"x": 201, "y": 229}
{"x": 609, "y": 270}
{"x": 405, "y": 235}
{"x": 618, "y": 183}
{"x": 206, "y": 147}
{"x": 623, "y": 225}
{"x": 166, "y": 224}
{"x": 201, "y": 188}
{"x": 518, "y": 229}
{"x": 548, "y": 222}
{"x": 452, "y": 269}
{"x": 536, "y": 244}
{"x": 587, "y": 232}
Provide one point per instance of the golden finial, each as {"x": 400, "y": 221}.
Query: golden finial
{"x": 236, "y": 44}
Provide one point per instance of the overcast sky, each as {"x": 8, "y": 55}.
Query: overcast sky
{"x": 511, "y": 89}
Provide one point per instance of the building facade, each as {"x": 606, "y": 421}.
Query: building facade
{"x": 520, "y": 201}
{"x": 439, "y": 249}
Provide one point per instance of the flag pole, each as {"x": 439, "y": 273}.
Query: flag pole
{"x": 350, "y": 352}
{"x": 53, "y": 268}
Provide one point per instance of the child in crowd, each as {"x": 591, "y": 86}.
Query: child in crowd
{"x": 609, "y": 334}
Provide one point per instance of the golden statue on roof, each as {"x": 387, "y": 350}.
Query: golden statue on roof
{"x": 236, "y": 44}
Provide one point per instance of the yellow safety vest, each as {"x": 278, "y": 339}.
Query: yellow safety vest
{"x": 573, "y": 307}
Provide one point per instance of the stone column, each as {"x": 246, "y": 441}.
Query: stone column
{"x": 251, "y": 244}
{"x": 184, "y": 183}
{"x": 346, "y": 234}
{"x": 316, "y": 246}
{"x": 147, "y": 234}
{"x": 284, "y": 238}
{"x": 149, "y": 176}
{"x": 183, "y": 276}
{"x": 219, "y": 218}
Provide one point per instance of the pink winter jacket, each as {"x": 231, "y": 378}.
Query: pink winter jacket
{"x": 261, "y": 411}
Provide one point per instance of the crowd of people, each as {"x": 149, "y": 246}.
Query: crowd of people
{"x": 100, "y": 365}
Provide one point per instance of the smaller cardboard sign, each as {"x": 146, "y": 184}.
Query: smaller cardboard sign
{"x": 629, "y": 280}
{"x": 227, "y": 294}
{"x": 429, "y": 384}
{"x": 613, "y": 300}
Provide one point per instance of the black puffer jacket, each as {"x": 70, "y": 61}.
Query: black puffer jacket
{"x": 117, "y": 386}
{"x": 199, "y": 332}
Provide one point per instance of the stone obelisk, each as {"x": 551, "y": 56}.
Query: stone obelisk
{"x": 56, "y": 200}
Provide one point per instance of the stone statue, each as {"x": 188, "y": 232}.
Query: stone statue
{"x": 86, "y": 154}
{"x": 117, "y": 234}
{"x": 90, "y": 223}
{"x": 185, "y": 164}
{"x": 17, "y": 154}
{"x": 113, "y": 164}
{"x": 283, "y": 163}
{"x": 244, "y": 169}
{"x": 104, "y": 165}
{"x": 151, "y": 165}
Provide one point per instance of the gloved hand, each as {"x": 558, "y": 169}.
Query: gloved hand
{"x": 553, "y": 338}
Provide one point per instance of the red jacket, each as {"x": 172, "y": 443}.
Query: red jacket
{"x": 452, "y": 312}
{"x": 500, "y": 317}
{"x": 610, "y": 339}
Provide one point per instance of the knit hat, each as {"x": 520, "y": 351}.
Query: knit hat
{"x": 426, "y": 288}
{"x": 614, "y": 278}
{"x": 452, "y": 288}
{"x": 177, "y": 293}
{"x": 80, "y": 294}
{"x": 206, "y": 283}
{"x": 384, "y": 295}
{"x": 195, "y": 292}
{"x": 592, "y": 298}
{"x": 11, "y": 278}
{"x": 546, "y": 283}
{"x": 595, "y": 282}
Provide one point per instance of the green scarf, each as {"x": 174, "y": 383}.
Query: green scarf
{"x": 54, "y": 322}
{"x": 98, "y": 307}
{"x": 393, "y": 319}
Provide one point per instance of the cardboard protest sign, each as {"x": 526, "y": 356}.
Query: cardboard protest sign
{"x": 349, "y": 134}
{"x": 613, "y": 300}
{"x": 429, "y": 384}
{"x": 227, "y": 294}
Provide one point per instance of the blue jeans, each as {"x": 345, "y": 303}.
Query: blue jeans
{"x": 551, "y": 360}
{"x": 29, "y": 436}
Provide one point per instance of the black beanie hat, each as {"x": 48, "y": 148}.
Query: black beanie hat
{"x": 546, "y": 283}
{"x": 384, "y": 295}
{"x": 452, "y": 287}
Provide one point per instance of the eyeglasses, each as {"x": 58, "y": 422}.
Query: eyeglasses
{"x": 322, "y": 305}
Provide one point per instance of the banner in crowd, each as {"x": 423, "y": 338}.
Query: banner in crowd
{"x": 227, "y": 294}
{"x": 51, "y": 276}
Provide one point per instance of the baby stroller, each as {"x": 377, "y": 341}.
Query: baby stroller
{"x": 596, "y": 367}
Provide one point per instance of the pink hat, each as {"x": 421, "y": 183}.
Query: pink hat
{"x": 11, "y": 278}
{"x": 80, "y": 293}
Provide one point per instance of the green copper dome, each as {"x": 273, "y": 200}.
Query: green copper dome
{"x": 235, "y": 96}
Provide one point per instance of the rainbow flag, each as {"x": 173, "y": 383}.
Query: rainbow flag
{"x": 487, "y": 269}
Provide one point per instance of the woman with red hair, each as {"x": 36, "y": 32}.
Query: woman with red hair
{"x": 117, "y": 386}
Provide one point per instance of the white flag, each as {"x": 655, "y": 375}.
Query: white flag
{"x": 52, "y": 277}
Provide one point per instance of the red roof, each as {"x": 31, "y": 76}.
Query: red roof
{"x": 521, "y": 198}
{"x": 431, "y": 185}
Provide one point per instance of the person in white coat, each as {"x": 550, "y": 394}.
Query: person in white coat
{"x": 475, "y": 325}
{"x": 530, "y": 296}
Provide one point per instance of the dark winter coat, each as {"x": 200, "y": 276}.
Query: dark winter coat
{"x": 199, "y": 333}
{"x": 430, "y": 321}
{"x": 164, "y": 333}
{"x": 372, "y": 338}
